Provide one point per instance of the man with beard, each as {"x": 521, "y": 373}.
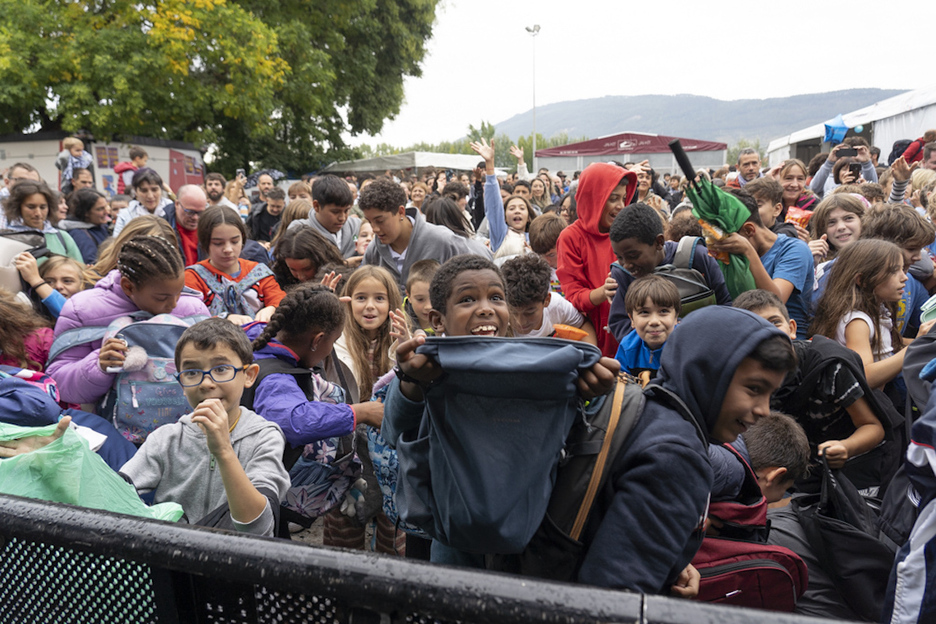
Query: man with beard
{"x": 214, "y": 189}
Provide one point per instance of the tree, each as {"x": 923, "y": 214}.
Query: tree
{"x": 274, "y": 83}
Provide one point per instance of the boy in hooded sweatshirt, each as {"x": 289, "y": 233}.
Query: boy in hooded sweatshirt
{"x": 716, "y": 376}
{"x": 584, "y": 249}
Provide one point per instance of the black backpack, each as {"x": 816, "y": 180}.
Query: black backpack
{"x": 594, "y": 441}
{"x": 694, "y": 291}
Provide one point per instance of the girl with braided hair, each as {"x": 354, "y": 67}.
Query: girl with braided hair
{"x": 149, "y": 277}
{"x": 300, "y": 335}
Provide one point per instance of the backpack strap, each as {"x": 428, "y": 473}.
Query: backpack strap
{"x": 620, "y": 424}
{"x": 221, "y": 287}
{"x": 75, "y": 337}
{"x": 685, "y": 252}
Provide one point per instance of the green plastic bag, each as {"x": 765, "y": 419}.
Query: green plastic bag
{"x": 717, "y": 207}
{"x": 68, "y": 471}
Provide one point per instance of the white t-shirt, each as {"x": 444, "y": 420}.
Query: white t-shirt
{"x": 558, "y": 312}
{"x": 887, "y": 344}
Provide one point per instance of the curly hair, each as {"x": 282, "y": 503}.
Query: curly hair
{"x": 307, "y": 307}
{"x": 382, "y": 194}
{"x": 302, "y": 243}
{"x": 19, "y": 322}
{"x": 441, "y": 287}
{"x": 527, "y": 279}
{"x": 149, "y": 257}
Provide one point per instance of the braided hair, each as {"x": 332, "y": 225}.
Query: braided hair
{"x": 149, "y": 257}
{"x": 305, "y": 307}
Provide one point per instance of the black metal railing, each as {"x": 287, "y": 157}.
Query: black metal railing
{"x": 60, "y": 563}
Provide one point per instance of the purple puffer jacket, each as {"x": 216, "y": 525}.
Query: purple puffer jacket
{"x": 79, "y": 378}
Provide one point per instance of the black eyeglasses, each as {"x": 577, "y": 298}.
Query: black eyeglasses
{"x": 219, "y": 374}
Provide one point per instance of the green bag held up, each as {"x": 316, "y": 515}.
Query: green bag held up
{"x": 68, "y": 471}
{"x": 717, "y": 207}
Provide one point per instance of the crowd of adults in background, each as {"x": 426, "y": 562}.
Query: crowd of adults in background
{"x": 839, "y": 250}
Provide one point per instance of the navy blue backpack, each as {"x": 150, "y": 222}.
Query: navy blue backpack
{"x": 478, "y": 474}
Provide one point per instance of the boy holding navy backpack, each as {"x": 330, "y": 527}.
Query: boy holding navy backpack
{"x": 716, "y": 377}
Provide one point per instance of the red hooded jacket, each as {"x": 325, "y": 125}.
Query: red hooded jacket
{"x": 584, "y": 254}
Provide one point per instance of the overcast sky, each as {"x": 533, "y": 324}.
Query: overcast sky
{"x": 479, "y": 64}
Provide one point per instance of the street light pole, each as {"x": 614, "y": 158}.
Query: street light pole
{"x": 534, "y": 30}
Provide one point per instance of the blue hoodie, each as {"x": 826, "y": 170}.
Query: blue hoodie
{"x": 646, "y": 525}
{"x": 279, "y": 399}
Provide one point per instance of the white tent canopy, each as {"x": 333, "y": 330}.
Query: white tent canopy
{"x": 904, "y": 116}
{"x": 407, "y": 160}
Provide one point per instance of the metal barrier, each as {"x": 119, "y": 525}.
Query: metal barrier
{"x": 61, "y": 563}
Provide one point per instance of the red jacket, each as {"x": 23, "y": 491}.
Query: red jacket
{"x": 120, "y": 170}
{"x": 914, "y": 151}
{"x": 584, "y": 254}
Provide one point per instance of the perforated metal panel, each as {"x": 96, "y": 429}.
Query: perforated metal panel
{"x": 43, "y": 584}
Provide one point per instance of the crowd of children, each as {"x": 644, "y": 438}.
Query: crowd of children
{"x": 267, "y": 366}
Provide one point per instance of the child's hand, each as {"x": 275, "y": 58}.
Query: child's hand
{"x": 33, "y": 443}
{"x": 516, "y": 152}
{"x": 264, "y": 315}
{"x": 605, "y": 292}
{"x": 332, "y": 279}
{"x": 598, "y": 379}
{"x": 819, "y": 248}
{"x": 925, "y": 328}
{"x": 902, "y": 171}
{"x": 212, "y": 419}
{"x": 28, "y": 268}
{"x": 835, "y": 452}
{"x": 802, "y": 233}
{"x": 399, "y": 327}
{"x": 112, "y": 354}
{"x": 687, "y": 583}
{"x": 241, "y": 319}
{"x": 369, "y": 413}
{"x": 417, "y": 365}
{"x": 732, "y": 244}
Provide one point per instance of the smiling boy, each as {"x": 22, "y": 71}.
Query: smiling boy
{"x": 243, "y": 466}
{"x": 638, "y": 243}
{"x": 653, "y": 306}
{"x": 403, "y": 236}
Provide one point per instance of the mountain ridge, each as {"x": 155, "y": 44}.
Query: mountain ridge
{"x": 690, "y": 116}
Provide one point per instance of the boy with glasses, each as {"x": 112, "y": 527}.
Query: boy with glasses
{"x": 239, "y": 482}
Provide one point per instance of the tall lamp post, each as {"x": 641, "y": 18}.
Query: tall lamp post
{"x": 534, "y": 30}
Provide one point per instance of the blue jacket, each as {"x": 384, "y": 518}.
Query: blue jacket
{"x": 618, "y": 321}
{"x": 279, "y": 399}
{"x": 646, "y": 525}
{"x": 88, "y": 237}
{"x": 635, "y": 356}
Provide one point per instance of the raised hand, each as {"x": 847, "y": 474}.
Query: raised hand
{"x": 484, "y": 150}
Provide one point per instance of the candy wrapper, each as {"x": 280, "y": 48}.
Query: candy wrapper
{"x": 713, "y": 234}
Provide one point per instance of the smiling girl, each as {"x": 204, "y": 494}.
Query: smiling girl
{"x": 237, "y": 289}
{"x": 835, "y": 224}
{"x": 792, "y": 177}
{"x": 366, "y": 346}
{"x": 27, "y": 208}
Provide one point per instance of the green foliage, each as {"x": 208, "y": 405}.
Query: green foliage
{"x": 734, "y": 150}
{"x": 275, "y": 84}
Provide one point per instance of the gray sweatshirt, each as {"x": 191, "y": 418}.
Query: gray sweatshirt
{"x": 349, "y": 232}
{"x": 176, "y": 463}
{"x": 426, "y": 241}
